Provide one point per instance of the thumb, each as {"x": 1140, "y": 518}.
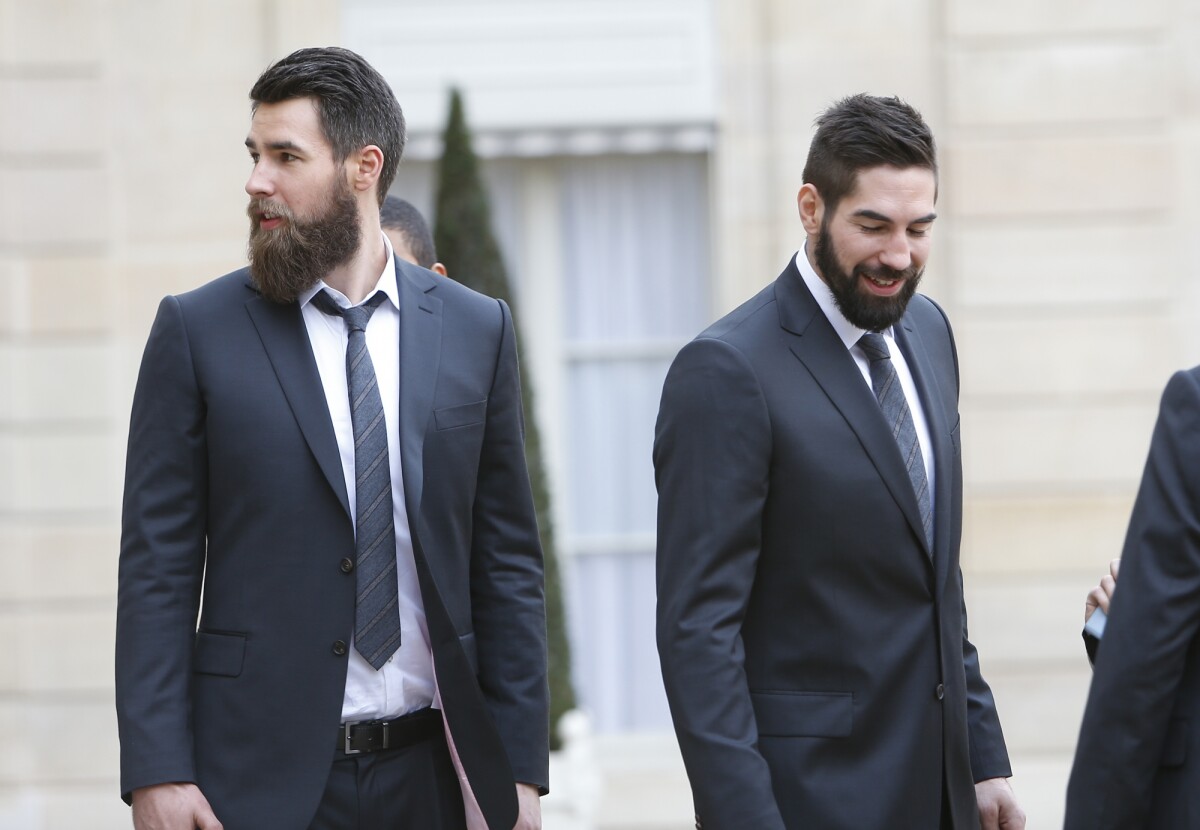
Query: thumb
{"x": 206, "y": 819}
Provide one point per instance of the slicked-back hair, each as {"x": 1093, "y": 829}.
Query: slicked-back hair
{"x": 355, "y": 104}
{"x": 399, "y": 215}
{"x": 861, "y": 132}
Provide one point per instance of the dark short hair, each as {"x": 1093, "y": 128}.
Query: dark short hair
{"x": 355, "y": 104}
{"x": 399, "y": 215}
{"x": 864, "y": 131}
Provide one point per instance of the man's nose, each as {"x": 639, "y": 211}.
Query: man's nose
{"x": 897, "y": 253}
{"x": 259, "y": 184}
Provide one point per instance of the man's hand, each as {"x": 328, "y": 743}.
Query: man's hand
{"x": 172, "y": 807}
{"x": 1101, "y": 595}
{"x": 998, "y": 807}
{"x": 529, "y": 815}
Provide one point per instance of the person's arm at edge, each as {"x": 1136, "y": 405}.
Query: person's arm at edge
{"x": 1145, "y": 641}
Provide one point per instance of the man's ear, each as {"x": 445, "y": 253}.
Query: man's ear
{"x": 438, "y": 268}
{"x": 365, "y": 167}
{"x": 811, "y": 207}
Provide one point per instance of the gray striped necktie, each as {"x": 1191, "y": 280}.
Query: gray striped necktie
{"x": 890, "y": 393}
{"x": 377, "y": 610}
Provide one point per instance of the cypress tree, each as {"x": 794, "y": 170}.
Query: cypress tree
{"x": 468, "y": 248}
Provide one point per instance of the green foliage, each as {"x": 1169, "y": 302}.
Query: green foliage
{"x": 467, "y": 247}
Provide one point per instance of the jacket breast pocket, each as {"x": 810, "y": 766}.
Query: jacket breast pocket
{"x": 219, "y": 652}
{"x": 804, "y": 714}
{"x": 463, "y": 415}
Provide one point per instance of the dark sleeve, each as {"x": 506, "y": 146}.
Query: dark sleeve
{"x": 988, "y": 751}
{"x": 507, "y": 587}
{"x": 712, "y": 451}
{"x": 162, "y": 560}
{"x": 1152, "y": 623}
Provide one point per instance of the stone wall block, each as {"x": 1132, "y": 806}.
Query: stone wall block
{"x": 1063, "y": 82}
{"x": 1022, "y": 178}
{"x": 1021, "y": 356}
{"x": 1015, "y": 450}
{"x": 970, "y": 18}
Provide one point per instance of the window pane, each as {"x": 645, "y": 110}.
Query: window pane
{"x": 635, "y": 247}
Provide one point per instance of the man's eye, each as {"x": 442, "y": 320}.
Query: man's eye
{"x": 918, "y": 231}
{"x": 287, "y": 157}
{"x": 871, "y": 228}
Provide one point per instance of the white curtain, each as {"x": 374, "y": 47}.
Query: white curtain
{"x": 636, "y": 287}
{"x": 633, "y": 278}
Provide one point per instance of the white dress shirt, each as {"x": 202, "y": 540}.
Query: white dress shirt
{"x": 850, "y": 335}
{"x": 405, "y": 683}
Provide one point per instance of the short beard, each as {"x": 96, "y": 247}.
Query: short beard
{"x": 292, "y": 258}
{"x": 866, "y": 311}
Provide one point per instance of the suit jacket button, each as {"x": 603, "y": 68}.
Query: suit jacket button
{"x": 347, "y": 565}
{"x": 940, "y": 691}
{"x": 339, "y": 647}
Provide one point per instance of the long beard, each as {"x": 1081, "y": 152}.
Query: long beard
{"x": 290, "y": 259}
{"x": 863, "y": 309}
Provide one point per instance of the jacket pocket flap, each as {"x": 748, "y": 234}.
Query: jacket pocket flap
{"x": 461, "y": 415}
{"x": 804, "y": 714}
{"x": 219, "y": 653}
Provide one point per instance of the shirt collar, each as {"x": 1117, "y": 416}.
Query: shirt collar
{"x": 386, "y": 283}
{"x": 849, "y": 333}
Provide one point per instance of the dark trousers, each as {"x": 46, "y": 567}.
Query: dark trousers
{"x": 411, "y": 788}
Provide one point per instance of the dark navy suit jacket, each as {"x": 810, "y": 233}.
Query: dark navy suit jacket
{"x": 233, "y": 610}
{"x": 814, "y": 649}
{"x": 1139, "y": 747}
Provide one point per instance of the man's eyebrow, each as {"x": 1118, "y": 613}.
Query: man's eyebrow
{"x": 876, "y": 216}
{"x": 274, "y": 145}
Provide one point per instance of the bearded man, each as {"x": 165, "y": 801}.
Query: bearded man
{"x": 811, "y": 627}
{"x": 330, "y": 609}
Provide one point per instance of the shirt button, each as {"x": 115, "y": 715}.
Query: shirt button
{"x": 339, "y": 647}
{"x": 940, "y": 691}
{"x": 347, "y": 565}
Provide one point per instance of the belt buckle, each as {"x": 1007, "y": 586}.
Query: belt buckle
{"x": 348, "y": 728}
{"x": 385, "y": 743}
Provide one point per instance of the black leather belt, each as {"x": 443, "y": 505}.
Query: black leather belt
{"x": 374, "y": 735}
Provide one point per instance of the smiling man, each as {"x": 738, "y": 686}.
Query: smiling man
{"x": 811, "y": 625}
{"x": 330, "y": 611}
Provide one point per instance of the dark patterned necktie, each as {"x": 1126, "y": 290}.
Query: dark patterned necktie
{"x": 890, "y": 394}
{"x": 376, "y": 610}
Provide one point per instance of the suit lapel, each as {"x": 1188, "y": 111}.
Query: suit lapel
{"x": 281, "y": 329}
{"x": 829, "y": 362}
{"x": 917, "y": 356}
{"x": 420, "y": 357}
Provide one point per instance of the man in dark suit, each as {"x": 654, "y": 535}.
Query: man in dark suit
{"x": 330, "y": 582}
{"x": 1136, "y": 761}
{"x": 810, "y": 608}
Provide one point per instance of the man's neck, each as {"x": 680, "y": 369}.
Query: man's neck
{"x": 357, "y": 276}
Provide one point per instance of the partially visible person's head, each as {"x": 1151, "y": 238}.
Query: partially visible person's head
{"x": 409, "y": 233}
{"x": 355, "y": 105}
{"x": 867, "y": 205}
